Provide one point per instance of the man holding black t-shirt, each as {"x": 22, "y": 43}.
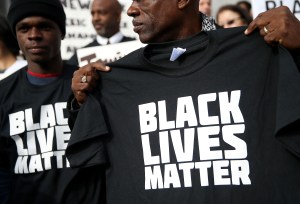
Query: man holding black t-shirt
{"x": 194, "y": 117}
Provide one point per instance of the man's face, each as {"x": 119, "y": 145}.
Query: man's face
{"x": 155, "y": 20}
{"x": 106, "y": 17}
{"x": 39, "y": 39}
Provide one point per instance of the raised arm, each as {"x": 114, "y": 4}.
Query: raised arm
{"x": 84, "y": 81}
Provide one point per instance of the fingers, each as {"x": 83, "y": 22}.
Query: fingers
{"x": 269, "y": 39}
{"x": 251, "y": 27}
{"x": 99, "y": 65}
{"x": 266, "y": 30}
{"x": 259, "y": 22}
{"x": 85, "y": 79}
{"x": 91, "y": 67}
{"x": 266, "y": 21}
{"x": 277, "y": 26}
{"x": 79, "y": 89}
{"x": 89, "y": 70}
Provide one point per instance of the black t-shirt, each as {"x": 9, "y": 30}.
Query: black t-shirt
{"x": 218, "y": 125}
{"x": 33, "y": 137}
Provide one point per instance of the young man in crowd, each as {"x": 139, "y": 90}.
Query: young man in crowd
{"x": 33, "y": 119}
{"x": 106, "y": 19}
{"x": 194, "y": 117}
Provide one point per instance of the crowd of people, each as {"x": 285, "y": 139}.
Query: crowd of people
{"x": 201, "y": 114}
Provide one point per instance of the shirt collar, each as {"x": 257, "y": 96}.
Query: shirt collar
{"x": 116, "y": 38}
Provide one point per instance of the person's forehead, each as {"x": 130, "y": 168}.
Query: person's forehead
{"x": 230, "y": 12}
{"x": 205, "y": 1}
{"x": 227, "y": 14}
{"x": 35, "y": 19}
{"x": 103, "y": 3}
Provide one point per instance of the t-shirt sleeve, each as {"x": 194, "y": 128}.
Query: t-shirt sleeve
{"x": 86, "y": 146}
{"x": 288, "y": 104}
{"x": 73, "y": 109}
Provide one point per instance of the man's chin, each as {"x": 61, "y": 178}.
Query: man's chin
{"x": 144, "y": 39}
{"x": 39, "y": 60}
{"x": 100, "y": 32}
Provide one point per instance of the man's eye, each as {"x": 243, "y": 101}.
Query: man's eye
{"x": 45, "y": 27}
{"x": 23, "y": 29}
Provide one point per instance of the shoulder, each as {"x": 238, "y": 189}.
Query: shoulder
{"x": 14, "y": 76}
{"x": 131, "y": 60}
{"x": 20, "y": 63}
{"x": 9, "y": 85}
{"x": 92, "y": 44}
{"x": 236, "y": 33}
{"x": 234, "y": 38}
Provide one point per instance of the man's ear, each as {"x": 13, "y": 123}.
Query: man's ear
{"x": 183, "y": 3}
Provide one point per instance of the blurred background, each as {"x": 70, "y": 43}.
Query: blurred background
{"x": 80, "y": 30}
{"x": 216, "y": 4}
{"x": 4, "y": 4}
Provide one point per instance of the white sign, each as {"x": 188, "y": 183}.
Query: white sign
{"x": 80, "y": 31}
{"x": 259, "y": 6}
{"x": 107, "y": 53}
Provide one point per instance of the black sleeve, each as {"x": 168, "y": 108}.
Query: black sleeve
{"x": 86, "y": 146}
{"x": 288, "y": 104}
{"x": 73, "y": 109}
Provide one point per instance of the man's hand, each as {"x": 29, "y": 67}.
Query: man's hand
{"x": 85, "y": 79}
{"x": 278, "y": 25}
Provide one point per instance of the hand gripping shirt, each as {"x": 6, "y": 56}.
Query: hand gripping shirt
{"x": 218, "y": 125}
{"x": 33, "y": 137}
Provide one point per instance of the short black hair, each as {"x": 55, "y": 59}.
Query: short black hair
{"x": 7, "y": 36}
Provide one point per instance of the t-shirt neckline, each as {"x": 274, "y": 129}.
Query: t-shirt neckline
{"x": 200, "y": 48}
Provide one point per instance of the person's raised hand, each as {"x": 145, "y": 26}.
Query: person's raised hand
{"x": 85, "y": 79}
{"x": 278, "y": 25}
